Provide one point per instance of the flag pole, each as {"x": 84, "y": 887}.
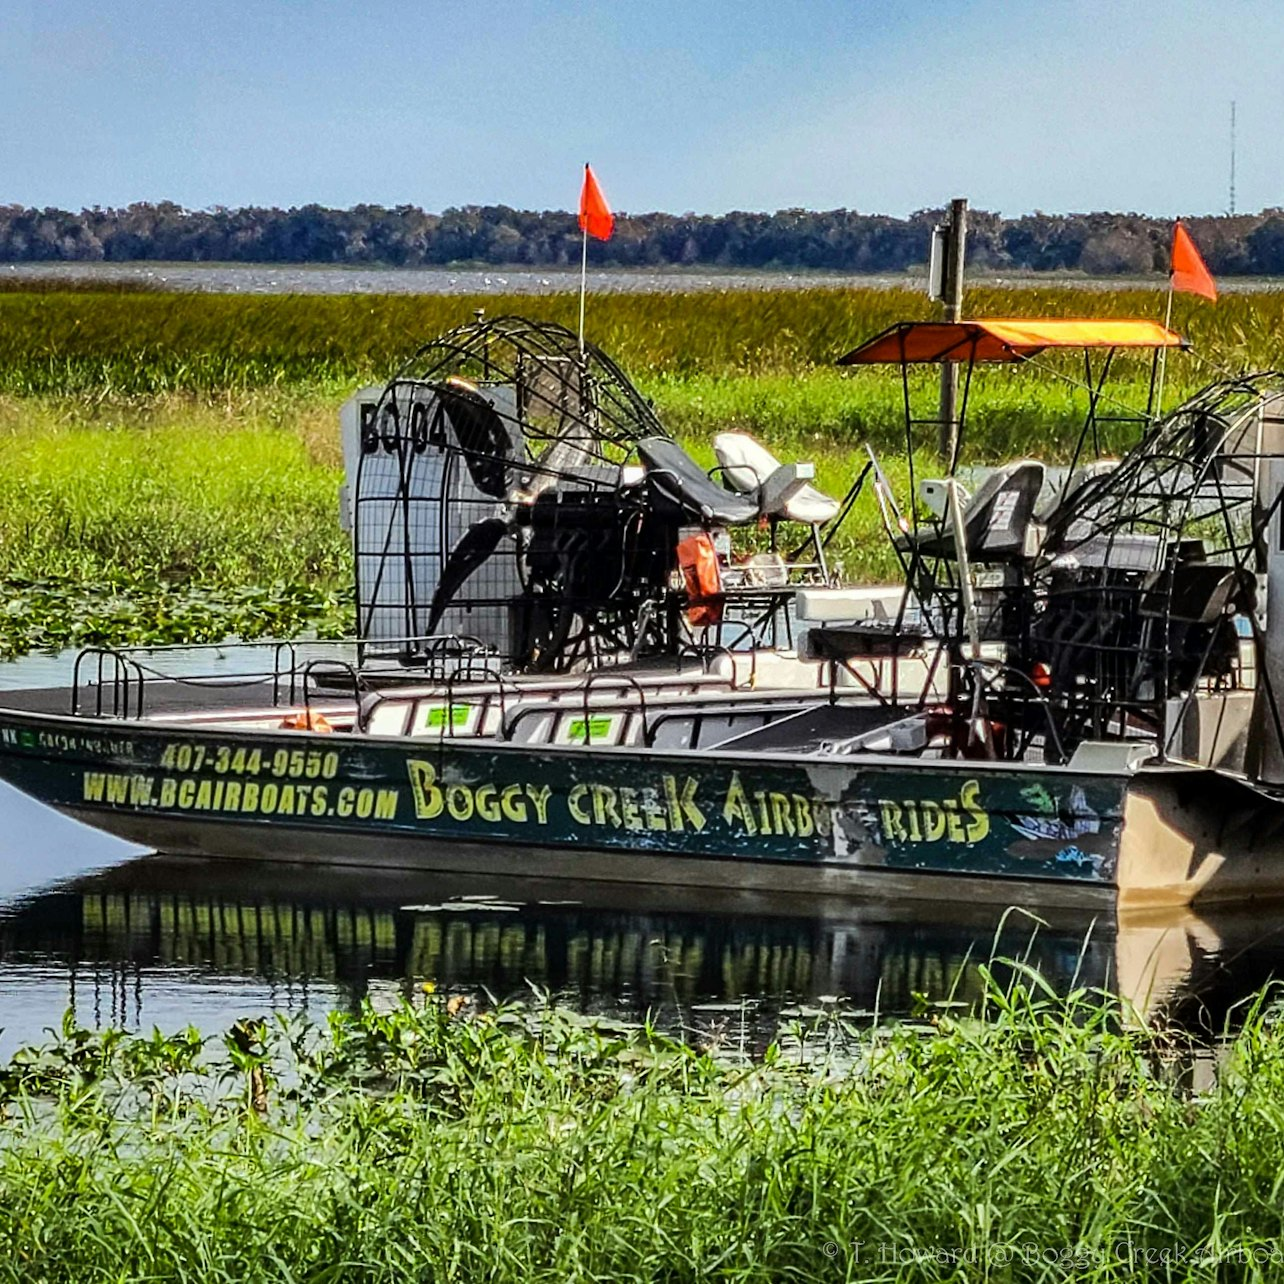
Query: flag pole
{"x": 1163, "y": 352}
{"x": 583, "y": 284}
{"x": 583, "y": 259}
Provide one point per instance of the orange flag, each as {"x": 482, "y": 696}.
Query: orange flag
{"x": 595, "y": 214}
{"x": 1189, "y": 271}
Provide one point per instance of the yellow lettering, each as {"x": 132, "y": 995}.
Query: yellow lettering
{"x": 933, "y": 821}
{"x": 764, "y": 818}
{"x": 953, "y": 821}
{"x": 629, "y": 808}
{"x": 186, "y": 792}
{"x": 486, "y": 800}
{"x": 231, "y": 795}
{"x": 285, "y": 801}
{"x": 604, "y": 808}
{"x": 250, "y": 796}
{"x": 891, "y": 824}
{"x": 423, "y": 788}
{"x": 960, "y": 819}
{"x": 915, "y": 821}
{"x": 979, "y": 825}
{"x": 575, "y": 805}
{"x": 539, "y": 797}
{"x": 513, "y": 804}
{"x": 687, "y": 804}
{"x": 267, "y": 799}
{"x": 735, "y": 806}
{"x": 802, "y": 817}
{"x": 169, "y": 791}
{"x": 653, "y": 809}
{"x": 459, "y": 802}
{"x": 780, "y": 814}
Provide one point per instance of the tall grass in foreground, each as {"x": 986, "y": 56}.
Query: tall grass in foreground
{"x": 1039, "y": 1140}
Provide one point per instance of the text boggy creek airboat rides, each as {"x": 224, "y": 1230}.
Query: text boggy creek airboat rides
{"x": 562, "y": 670}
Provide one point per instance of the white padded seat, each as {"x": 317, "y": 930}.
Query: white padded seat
{"x": 747, "y": 465}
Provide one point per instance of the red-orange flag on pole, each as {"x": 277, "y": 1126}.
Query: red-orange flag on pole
{"x": 1189, "y": 271}
{"x": 595, "y": 214}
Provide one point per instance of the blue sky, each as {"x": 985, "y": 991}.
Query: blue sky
{"x": 680, "y": 104}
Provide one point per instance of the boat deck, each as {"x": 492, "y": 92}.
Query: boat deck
{"x": 165, "y": 699}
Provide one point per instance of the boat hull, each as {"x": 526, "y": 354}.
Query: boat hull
{"x": 872, "y": 825}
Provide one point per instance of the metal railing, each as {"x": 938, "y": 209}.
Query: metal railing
{"x": 114, "y": 681}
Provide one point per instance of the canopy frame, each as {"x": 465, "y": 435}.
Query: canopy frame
{"x": 1005, "y": 339}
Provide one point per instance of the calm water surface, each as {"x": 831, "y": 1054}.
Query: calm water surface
{"x": 127, "y": 938}
{"x": 286, "y": 278}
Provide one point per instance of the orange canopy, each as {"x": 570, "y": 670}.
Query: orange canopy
{"x": 992, "y": 339}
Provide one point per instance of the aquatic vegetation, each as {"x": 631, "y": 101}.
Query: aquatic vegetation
{"x": 163, "y": 524}
{"x": 62, "y": 612}
{"x": 1032, "y": 1139}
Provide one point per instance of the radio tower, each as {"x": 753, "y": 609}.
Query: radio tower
{"x": 1232, "y": 167}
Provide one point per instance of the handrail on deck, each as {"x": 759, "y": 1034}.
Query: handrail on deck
{"x": 126, "y": 674}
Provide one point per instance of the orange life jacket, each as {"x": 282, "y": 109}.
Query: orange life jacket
{"x": 703, "y": 580}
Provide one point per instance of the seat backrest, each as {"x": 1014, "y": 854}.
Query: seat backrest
{"x": 1000, "y": 512}
{"x": 676, "y": 478}
{"x": 746, "y": 464}
{"x": 749, "y": 467}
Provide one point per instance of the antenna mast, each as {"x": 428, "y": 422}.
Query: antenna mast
{"x": 1232, "y": 158}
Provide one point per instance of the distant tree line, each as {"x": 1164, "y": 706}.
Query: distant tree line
{"x": 837, "y": 240}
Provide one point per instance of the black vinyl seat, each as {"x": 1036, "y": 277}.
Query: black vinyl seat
{"x": 995, "y": 521}
{"x": 677, "y": 480}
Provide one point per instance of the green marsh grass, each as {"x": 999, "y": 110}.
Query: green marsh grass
{"x": 128, "y": 343}
{"x": 179, "y": 451}
{"x": 152, "y": 522}
{"x": 1035, "y": 1138}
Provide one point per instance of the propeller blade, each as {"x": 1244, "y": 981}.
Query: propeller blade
{"x": 479, "y": 541}
{"x": 486, "y": 444}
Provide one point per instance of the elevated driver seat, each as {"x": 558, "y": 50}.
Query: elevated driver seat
{"x": 998, "y": 520}
{"x": 783, "y": 491}
{"x": 678, "y": 482}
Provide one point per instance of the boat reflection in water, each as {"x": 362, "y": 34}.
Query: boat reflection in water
{"x": 171, "y": 941}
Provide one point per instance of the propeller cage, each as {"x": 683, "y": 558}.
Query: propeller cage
{"x": 494, "y": 495}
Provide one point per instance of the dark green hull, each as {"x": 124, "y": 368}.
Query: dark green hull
{"x": 882, "y": 825}
{"x": 198, "y": 789}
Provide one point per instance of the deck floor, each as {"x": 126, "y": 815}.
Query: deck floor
{"x": 160, "y": 697}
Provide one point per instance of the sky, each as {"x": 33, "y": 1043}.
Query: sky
{"x": 681, "y": 105}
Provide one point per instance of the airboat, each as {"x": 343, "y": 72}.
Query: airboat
{"x": 583, "y": 654}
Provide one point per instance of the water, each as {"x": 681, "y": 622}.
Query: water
{"x": 156, "y": 941}
{"x": 293, "y": 278}
{"x": 119, "y": 936}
